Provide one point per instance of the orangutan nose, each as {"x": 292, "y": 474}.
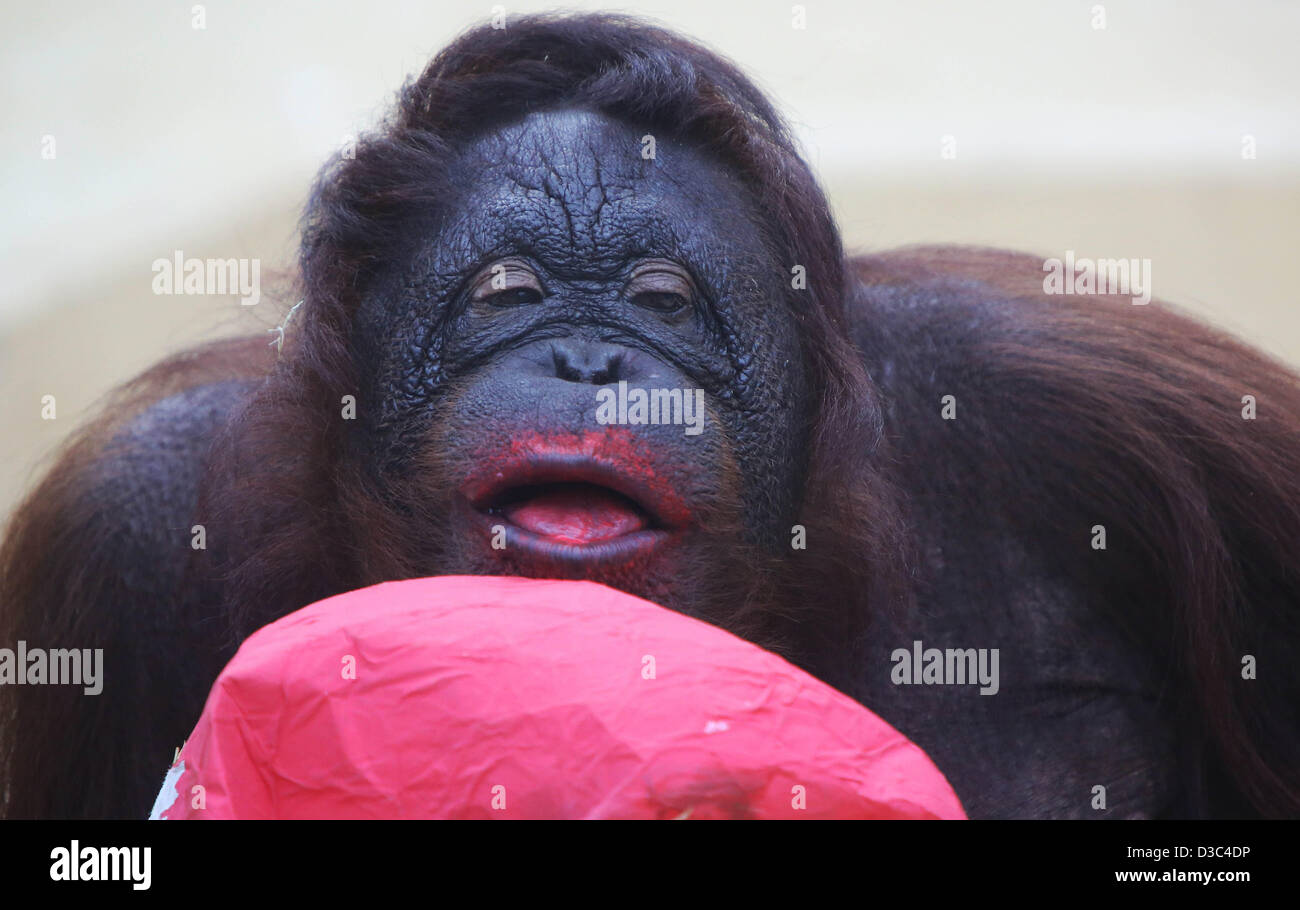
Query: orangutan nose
{"x": 594, "y": 362}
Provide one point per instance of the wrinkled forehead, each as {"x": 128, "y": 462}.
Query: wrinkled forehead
{"x": 574, "y": 186}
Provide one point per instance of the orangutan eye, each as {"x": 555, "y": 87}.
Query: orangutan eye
{"x": 514, "y": 297}
{"x": 660, "y": 302}
{"x": 661, "y": 286}
{"x": 507, "y": 283}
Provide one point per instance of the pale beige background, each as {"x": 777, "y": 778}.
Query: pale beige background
{"x": 1123, "y": 141}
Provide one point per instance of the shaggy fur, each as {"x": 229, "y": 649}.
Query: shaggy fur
{"x": 1073, "y": 413}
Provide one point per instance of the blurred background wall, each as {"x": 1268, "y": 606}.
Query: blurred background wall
{"x": 1117, "y": 141}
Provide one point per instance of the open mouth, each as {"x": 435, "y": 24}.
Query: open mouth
{"x": 575, "y": 507}
{"x": 573, "y": 513}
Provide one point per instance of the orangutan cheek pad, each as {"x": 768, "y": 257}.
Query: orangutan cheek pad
{"x": 489, "y": 697}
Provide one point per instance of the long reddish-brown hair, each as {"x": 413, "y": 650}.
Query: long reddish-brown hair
{"x": 1137, "y": 425}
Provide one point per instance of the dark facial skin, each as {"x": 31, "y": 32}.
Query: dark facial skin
{"x": 573, "y": 264}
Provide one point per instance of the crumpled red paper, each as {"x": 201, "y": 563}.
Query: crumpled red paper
{"x": 484, "y": 697}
